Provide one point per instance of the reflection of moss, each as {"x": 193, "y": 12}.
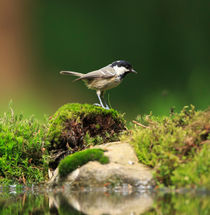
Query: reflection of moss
{"x": 75, "y": 127}
{"x": 174, "y": 146}
{"x": 169, "y": 203}
{"x": 72, "y": 162}
{"x": 24, "y": 204}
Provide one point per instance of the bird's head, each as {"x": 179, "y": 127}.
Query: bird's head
{"x": 122, "y": 67}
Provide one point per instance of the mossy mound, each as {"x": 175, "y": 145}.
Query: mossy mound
{"x": 176, "y": 146}
{"x": 72, "y": 162}
{"x": 75, "y": 127}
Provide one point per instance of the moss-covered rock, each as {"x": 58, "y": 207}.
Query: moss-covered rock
{"x": 72, "y": 162}
{"x": 77, "y": 126}
{"x": 122, "y": 172}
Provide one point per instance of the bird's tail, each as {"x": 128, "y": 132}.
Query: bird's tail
{"x": 72, "y": 73}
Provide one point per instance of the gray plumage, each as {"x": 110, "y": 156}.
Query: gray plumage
{"x": 105, "y": 72}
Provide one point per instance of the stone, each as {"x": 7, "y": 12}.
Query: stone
{"x": 122, "y": 172}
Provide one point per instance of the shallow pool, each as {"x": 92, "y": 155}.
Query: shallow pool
{"x": 40, "y": 200}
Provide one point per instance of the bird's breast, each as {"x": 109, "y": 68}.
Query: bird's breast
{"x": 103, "y": 84}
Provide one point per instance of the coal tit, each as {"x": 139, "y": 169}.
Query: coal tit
{"x": 105, "y": 78}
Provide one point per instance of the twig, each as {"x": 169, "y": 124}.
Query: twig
{"x": 139, "y": 124}
{"x": 149, "y": 120}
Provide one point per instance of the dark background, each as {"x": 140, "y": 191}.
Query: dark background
{"x": 167, "y": 42}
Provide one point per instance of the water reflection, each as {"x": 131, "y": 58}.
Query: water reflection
{"x": 96, "y": 203}
{"x": 38, "y": 201}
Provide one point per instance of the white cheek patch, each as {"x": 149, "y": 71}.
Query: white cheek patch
{"x": 120, "y": 70}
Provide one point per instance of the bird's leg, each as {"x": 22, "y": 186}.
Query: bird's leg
{"x": 104, "y": 101}
{"x": 98, "y": 93}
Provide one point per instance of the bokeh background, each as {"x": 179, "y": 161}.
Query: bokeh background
{"x": 167, "y": 42}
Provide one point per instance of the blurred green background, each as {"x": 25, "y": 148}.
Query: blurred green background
{"x": 167, "y": 42}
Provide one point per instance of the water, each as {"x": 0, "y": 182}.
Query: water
{"x": 39, "y": 200}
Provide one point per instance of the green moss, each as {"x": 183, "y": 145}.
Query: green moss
{"x": 173, "y": 146}
{"x": 78, "y": 112}
{"x": 22, "y": 149}
{"x": 75, "y": 110}
{"x": 195, "y": 172}
{"x": 72, "y": 162}
{"x": 75, "y": 127}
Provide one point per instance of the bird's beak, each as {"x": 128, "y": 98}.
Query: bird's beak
{"x": 133, "y": 71}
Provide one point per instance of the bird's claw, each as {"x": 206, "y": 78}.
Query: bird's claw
{"x": 107, "y": 107}
{"x": 99, "y": 105}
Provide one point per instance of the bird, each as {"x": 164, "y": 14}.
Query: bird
{"x": 104, "y": 79}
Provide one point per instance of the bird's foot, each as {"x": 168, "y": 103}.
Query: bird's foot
{"x": 99, "y": 105}
{"x": 96, "y": 104}
{"x": 107, "y": 107}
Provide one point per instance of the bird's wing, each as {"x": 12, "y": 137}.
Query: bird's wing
{"x": 105, "y": 72}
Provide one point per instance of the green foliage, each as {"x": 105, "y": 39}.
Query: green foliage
{"x": 173, "y": 146}
{"x": 22, "y": 149}
{"x": 72, "y": 162}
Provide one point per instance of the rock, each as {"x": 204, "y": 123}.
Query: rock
{"x": 122, "y": 172}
